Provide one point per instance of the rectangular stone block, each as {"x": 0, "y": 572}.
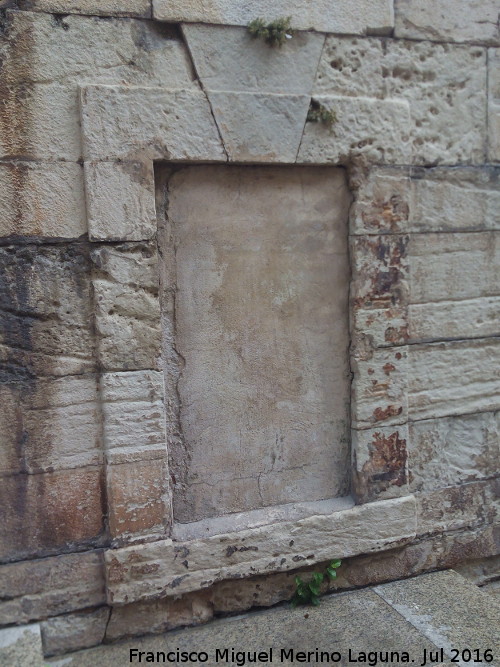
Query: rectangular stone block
{"x": 70, "y": 49}
{"x": 50, "y": 424}
{"x": 48, "y": 512}
{"x": 473, "y": 21}
{"x": 444, "y": 85}
{"x": 34, "y": 589}
{"x": 453, "y": 378}
{"x": 134, "y": 416}
{"x": 375, "y": 16}
{"x": 127, "y": 309}
{"x": 380, "y": 461}
{"x": 379, "y": 388}
{"x": 72, "y": 632}
{"x": 20, "y": 646}
{"x": 494, "y": 105}
{"x": 138, "y": 500}
{"x": 167, "y": 568}
{"x": 453, "y": 450}
{"x": 45, "y": 311}
{"x": 120, "y": 201}
{"x": 42, "y": 199}
{"x": 140, "y": 8}
{"x": 134, "y": 124}
{"x": 377, "y": 130}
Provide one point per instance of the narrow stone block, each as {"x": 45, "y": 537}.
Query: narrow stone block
{"x": 120, "y": 201}
{"x": 371, "y": 16}
{"x": 140, "y": 8}
{"x": 494, "y": 105}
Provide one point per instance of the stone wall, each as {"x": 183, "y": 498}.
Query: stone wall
{"x": 100, "y": 103}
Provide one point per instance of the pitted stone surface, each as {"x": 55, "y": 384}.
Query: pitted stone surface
{"x": 473, "y": 21}
{"x": 103, "y": 7}
{"x": 375, "y": 16}
{"x": 444, "y": 85}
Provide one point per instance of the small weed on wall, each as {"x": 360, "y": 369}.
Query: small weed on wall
{"x": 275, "y": 33}
{"x": 307, "y": 592}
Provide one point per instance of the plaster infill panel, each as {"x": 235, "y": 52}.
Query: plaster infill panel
{"x": 260, "y": 333}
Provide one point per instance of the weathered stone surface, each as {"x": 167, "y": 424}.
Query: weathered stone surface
{"x": 259, "y": 127}
{"x": 379, "y": 388}
{"x": 453, "y": 450}
{"x": 261, "y": 326}
{"x": 228, "y": 58}
{"x": 133, "y": 123}
{"x": 461, "y": 265}
{"x": 45, "y": 311}
{"x": 494, "y": 105}
{"x": 156, "y": 570}
{"x": 159, "y": 616}
{"x": 375, "y": 16}
{"x": 35, "y": 589}
{"x": 73, "y": 49}
{"x": 127, "y": 309}
{"x": 458, "y": 507}
{"x": 473, "y": 21}
{"x": 100, "y": 7}
{"x": 42, "y": 199}
{"x": 468, "y": 318}
{"x": 21, "y": 646}
{"x": 444, "y": 85}
{"x": 133, "y": 412}
{"x": 138, "y": 499}
{"x": 71, "y": 632}
{"x": 50, "y": 424}
{"x": 50, "y": 512}
{"x": 453, "y": 378}
{"x": 376, "y": 130}
{"x": 380, "y": 461}
{"x": 481, "y": 571}
{"x": 120, "y": 201}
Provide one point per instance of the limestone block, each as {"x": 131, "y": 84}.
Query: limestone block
{"x": 454, "y": 199}
{"x": 134, "y": 124}
{"x": 133, "y": 410}
{"x": 47, "y": 512}
{"x": 156, "y": 570}
{"x": 138, "y": 499}
{"x": 444, "y": 85}
{"x": 379, "y": 388}
{"x": 380, "y": 327}
{"x": 127, "y": 308}
{"x": 457, "y": 507}
{"x": 39, "y": 121}
{"x": 50, "y": 424}
{"x": 21, "y": 646}
{"x": 368, "y": 16}
{"x": 100, "y": 7}
{"x": 494, "y": 105}
{"x": 71, "y": 49}
{"x": 376, "y": 130}
{"x": 453, "y": 378}
{"x": 382, "y": 202}
{"x": 258, "y": 127}
{"x": 448, "y": 20}
{"x": 35, "y": 589}
{"x": 71, "y": 632}
{"x": 45, "y": 311}
{"x": 380, "y": 463}
{"x": 120, "y": 201}
{"x": 469, "y": 318}
{"x": 42, "y": 199}
{"x": 459, "y": 265}
{"x": 453, "y": 450}
{"x": 229, "y": 59}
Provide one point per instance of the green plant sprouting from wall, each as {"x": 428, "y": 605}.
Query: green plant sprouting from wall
{"x": 308, "y": 592}
{"x": 275, "y": 33}
{"x": 318, "y": 113}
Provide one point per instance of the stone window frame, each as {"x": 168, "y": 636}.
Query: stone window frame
{"x": 124, "y": 131}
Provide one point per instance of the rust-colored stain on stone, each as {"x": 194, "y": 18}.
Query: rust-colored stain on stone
{"x": 386, "y": 214}
{"x": 386, "y": 466}
{"x": 381, "y": 414}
